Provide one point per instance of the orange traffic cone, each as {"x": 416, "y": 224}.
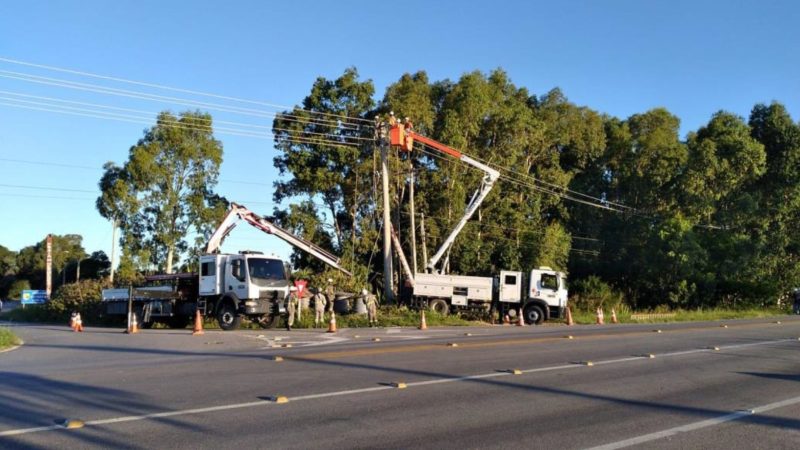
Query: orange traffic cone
{"x": 520, "y": 318}
{"x": 78, "y": 323}
{"x": 600, "y": 316}
{"x": 198, "y": 324}
{"x": 72, "y": 321}
{"x": 133, "y": 326}
{"x": 613, "y": 316}
{"x": 423, "y": 325}
{"x": 332, "y": 323}
{"x": 506, "y": 320}
{"x": 570, "y": 322}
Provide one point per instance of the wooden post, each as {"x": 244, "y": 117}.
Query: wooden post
{"x": 388, "y": 290}
{"x": 413, "y": 222}
{"x": 424, "y": 245}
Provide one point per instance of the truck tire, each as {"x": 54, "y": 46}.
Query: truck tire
{"x": 533, "y": 314}
{"x": 268, "y": 320}
{"x": 439, "y": 306}
{"x": 227, "y": 317}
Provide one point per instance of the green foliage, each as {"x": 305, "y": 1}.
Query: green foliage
{"x": 83, "y": 297}
{"x": 165, "y": 190}
{"x": 591, "y": 293}
{"x": 8, "y": 339}
{"x": 17, "y": 286}
{"x": 712, "y": 220}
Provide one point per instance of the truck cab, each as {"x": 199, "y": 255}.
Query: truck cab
{"x": 542, "y": 296}
{"x": 247, "y": 283}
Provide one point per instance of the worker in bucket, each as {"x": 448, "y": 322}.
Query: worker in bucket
{"x": 291, "y": 307}
{"x": 319, "y": 307}
{"x": 372, "y": 307}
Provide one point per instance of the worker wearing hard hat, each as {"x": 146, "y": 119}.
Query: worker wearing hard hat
{"x": 330, "y": 293}
{"x": 319, "y": 306}
{"x": 291, "y": 307}
{"x": 372, "y": 307}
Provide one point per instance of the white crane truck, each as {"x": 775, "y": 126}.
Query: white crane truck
{"x": 540, "y": 293}
{"x": 229, "y": 287}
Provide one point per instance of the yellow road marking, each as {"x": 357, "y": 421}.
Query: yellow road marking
{"x": 490, "y": 343}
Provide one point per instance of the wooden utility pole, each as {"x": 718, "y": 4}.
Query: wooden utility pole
{"x": 413, "y": 222}
{"x": 388, "y": 289}
{"x": 49, "y": 265}
{"x": 113, "y": 248}
{"x": 424, "y": 245}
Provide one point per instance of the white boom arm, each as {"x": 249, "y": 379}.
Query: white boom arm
{"x": 404, "y": 138}
{"x": 238, "y": 212}
{"x": 477, "y": 198}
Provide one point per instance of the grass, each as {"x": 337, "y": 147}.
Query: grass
{"x": 7, "y": 338}
{"x": 404, "y": 317}
{"x": 388, "y": 316}
{"x": 683, "y": 315}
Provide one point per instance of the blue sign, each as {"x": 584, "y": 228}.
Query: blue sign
{"x": 34, "y": 297}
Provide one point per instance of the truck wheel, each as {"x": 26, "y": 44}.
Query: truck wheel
{"x": 267, "y": 320}
{"x": 533, "y": 314}
{"x": 227, "y": 317}
{"x": 439, "y": 306}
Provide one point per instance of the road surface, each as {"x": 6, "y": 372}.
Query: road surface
{"x": 698, "y": 385}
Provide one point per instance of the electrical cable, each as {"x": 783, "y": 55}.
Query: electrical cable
{"x": 163, "y": 87}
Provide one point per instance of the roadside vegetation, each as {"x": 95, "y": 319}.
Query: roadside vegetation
{"x": 624, "y": 315}
{"x": 7, "y": 338}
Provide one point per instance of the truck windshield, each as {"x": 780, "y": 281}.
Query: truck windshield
{"x": 265, "y": 270}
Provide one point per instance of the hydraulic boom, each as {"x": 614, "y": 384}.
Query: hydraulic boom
{"x": 404, "y": 138}
{"x": 238, "y": 212}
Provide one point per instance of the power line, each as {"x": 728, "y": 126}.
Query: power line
{"x": 88, "y": 87}
{"x": 45, "y": 188}
{"x": 176, "y": 124}
{"x": 599, "y": 203}
{"x": 150, "y": 114}
{"x": 534, "y": 187}
{"x": 51, "y": 197}
{"x": 169, "y": 88}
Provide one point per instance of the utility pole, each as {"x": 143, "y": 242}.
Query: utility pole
{"x": 413, "y": 221}
{"x": 113, "y": 247}
{"x": 424, "y": 245}
{"x": 388, "y": 289}
{"x": 49, "y": 266}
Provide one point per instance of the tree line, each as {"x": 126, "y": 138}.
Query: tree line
{"x": 707, "y": 220}
{"x": 26, "y": 269}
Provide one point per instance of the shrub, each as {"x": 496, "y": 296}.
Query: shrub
{"x": 591, "y": 293}
{"x": 83, "y": 297}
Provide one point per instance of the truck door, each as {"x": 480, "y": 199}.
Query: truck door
{"x": 209, "y": 275}
{"x": 546, "y": 286}
{"x": 236, "y": 276}
{"x": 510, "y": 286}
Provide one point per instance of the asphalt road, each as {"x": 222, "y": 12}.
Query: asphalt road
{"x": 696, "y": 385}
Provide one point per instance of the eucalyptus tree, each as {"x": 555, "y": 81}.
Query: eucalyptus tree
{"x": 164, "y": 191}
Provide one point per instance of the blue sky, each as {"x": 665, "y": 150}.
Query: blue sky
{"x": 618, "y": 57}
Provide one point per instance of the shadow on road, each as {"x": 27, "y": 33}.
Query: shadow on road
{"x": 34, "y": 401}
{"x": 42, "y": 390}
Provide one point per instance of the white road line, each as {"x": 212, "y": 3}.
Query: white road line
{"x": 427, "y": 383}
{"x": 696, "y": 426}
